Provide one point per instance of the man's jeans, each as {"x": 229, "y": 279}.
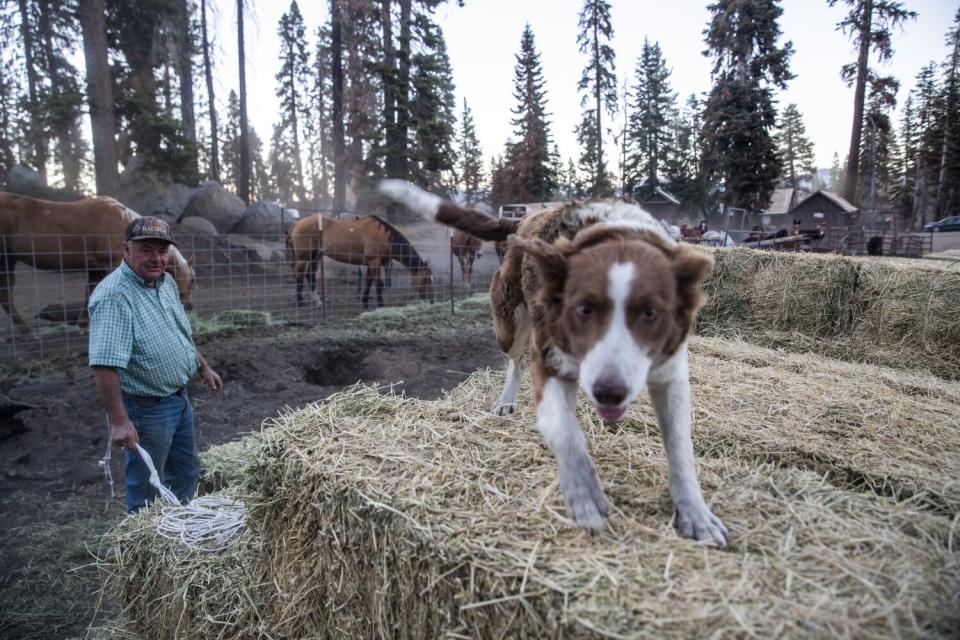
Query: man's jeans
{"x": 165, "y": 429}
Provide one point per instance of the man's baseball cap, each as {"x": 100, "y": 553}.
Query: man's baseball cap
{"x": 149, "y": 228}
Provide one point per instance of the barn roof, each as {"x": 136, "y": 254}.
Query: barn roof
{"x": 833, "y": 198}
{"x": 662, "y": 193}
{"x": 781, "y": 201}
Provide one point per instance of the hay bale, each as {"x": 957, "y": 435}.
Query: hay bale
{"x": 226, "y": 465}
{"x": 167, "y": 591}
{"x": 395, "y": 517}
{"x": 873, "y": 311}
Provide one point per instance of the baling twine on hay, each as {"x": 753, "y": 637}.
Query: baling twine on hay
{"x": 207, "y": 524}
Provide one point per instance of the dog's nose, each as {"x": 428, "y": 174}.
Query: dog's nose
{"x": 609, "y": 391}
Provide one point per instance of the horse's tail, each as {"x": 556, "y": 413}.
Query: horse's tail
{"x": 400, "y": 248}
{"x": 435, "y": 209}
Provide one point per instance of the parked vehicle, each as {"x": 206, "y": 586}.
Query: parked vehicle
{"x": 947, "y": 224}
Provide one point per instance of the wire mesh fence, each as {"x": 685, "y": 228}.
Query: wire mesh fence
{"x": 255, "y": 273}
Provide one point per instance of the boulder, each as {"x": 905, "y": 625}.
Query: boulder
{"x": 25, "y": 181}
{"x": 150, "y": 193}
{"x": 265, "y": 219}
{"x": 211, "y": 201}
{"x": 198, "y": 225}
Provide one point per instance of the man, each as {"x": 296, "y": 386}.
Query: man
{"x": 142, "y": 355}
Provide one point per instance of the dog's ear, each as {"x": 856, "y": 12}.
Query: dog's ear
{"x": 690, "y": 267}
{"x": 550, "y": 258}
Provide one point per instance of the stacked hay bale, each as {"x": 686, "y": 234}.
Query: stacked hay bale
{"x": 874, "y": 311}
{"x": 379, "y": 516}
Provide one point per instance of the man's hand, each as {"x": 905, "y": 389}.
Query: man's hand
{"x": 123, "y": 434}
{"x": 211, "y": 377}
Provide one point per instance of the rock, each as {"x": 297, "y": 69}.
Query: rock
{"x": 149, "y": 193}
{"x": 25, "y": 181}
{"x": 196, "y": 224}
{"x": 211, "y": 201}
{"x": 264, "y": 219}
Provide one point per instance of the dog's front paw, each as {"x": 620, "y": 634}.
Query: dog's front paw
{"x": 586, "y": 503}
{"x": 501, "y": 408}
{"x": 696, "y": 521}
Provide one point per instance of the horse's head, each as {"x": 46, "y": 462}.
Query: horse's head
{"x": 182, "y": 271}
{"x": 422, "y": 279}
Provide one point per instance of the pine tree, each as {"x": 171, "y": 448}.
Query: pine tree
{"x": 649, "y": 132}
{"x": 153, "y": 130}
{"x": 292, "y": 82}
{"x": 877, "y": 144}
{"x": 795, "y": 148}
{"x": 838, "y": 173}
{"x": 470, "y": 166}
{"x": 433, "y": 119}
{"x": 599, "y": 80}
{"x": 317, "y": 123}
{"x": 35, "y": 132}
{"x": 686, "y": 181}
{"x": 528, "y": 158}
{"x": 948, "y": 182}
{"x": 230, "y": 144}
{"x": 10, "y": 89}
{"x": 740, "y": 115}
{"x": 929, "y": 136}
{"x": 62, "y": 96}
{"x": 205, "y": 49}
{"x": 904, "y": 179}
{"x": 870, "y": 24}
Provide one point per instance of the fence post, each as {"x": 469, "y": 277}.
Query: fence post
{"x": 450, "y": 234}
{"x": 323, "y": 275}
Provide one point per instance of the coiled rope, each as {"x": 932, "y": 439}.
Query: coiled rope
{"x": 206, "y": 524}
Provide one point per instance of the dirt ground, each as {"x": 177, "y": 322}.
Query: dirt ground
{"x": 53, "y": 495}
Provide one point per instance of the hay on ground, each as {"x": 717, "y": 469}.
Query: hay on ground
{"x": 873, "y": 311}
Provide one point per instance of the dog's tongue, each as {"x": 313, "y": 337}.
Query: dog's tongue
{"x": 608, "y": 413}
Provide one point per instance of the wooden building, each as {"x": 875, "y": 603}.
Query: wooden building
{"x": 661, "y": 205}
{"x": 823, "y": 208}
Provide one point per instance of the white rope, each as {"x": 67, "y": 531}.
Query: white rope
{"x": 105, "y": 462}
{"x": 206, "y": 524}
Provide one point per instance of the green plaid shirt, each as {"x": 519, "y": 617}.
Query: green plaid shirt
{"x": 143, "y": 332}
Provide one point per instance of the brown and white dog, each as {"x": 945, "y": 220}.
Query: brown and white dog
{"x": 603, "y": 298}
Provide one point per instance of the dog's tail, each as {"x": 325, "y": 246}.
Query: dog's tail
{"x": 436, "y": 209}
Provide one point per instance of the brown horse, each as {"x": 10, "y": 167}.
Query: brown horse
{"x": 69, "y": 236}
{"x": 368, "y": 241}
{"x": 466, "y": 249}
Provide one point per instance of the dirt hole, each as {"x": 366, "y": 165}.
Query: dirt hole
{"x": 336, "y": 368}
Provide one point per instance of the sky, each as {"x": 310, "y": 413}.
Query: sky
{"x": 483, "y": 39}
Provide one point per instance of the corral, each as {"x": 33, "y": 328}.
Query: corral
{"x": 836, "y": 469}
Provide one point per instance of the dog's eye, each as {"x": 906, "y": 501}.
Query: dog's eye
{"x": 584, "y": 310}
{"x": 648, "y": 314}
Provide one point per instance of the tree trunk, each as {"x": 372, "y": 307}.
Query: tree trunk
{"x": 853, "y": 157}
{"x": 100, "y": 95}
{"x": 244, "y": 135}
{"x": 336, "y": 55}
{"x": 208, "y": 76}
{"x": 185, "y": 68}
{"x": 37, "y": 136}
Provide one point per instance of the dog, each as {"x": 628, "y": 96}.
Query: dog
{"x": 602, "y": 298}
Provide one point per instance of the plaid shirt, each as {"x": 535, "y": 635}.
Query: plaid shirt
{"x": 143, "y": 332}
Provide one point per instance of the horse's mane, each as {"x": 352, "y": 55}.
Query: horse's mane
{"x": 401, "y": 249}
